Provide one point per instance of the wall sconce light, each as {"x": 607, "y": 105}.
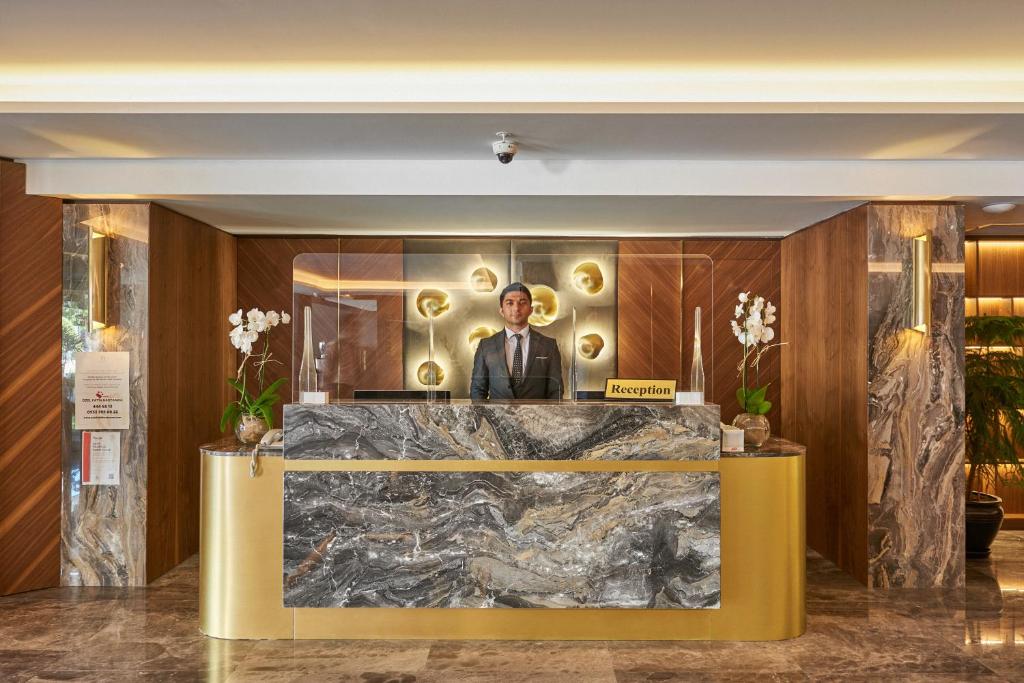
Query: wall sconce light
{"x": 921, "y": 315}
{"x": 98, "y": 275}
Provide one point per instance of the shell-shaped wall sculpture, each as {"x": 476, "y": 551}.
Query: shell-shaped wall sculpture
{"x": 588, "y": 277}
{"x": 483, "y": 280}
{"x": 430, "y": 374}
{"x": 432, "y": 302}
{"x": 590, "y": 346}
{"x": 478, "y": 333}
{"x": 545, "y": 305}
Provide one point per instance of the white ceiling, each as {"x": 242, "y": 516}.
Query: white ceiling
{"x": 662, "y": 117}
{"x": 954, "y": 33}
{"x": 564, "y": 216}
{"x": 550, "y": 136}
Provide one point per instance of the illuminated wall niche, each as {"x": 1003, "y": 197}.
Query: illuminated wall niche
{"x": 464, "y": 277}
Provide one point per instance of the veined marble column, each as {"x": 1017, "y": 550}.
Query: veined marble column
{"x": 915, "y": 401}
{"x": 103, "y": 528}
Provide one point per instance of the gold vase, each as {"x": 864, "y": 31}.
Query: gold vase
{"x": 250, "y": 428}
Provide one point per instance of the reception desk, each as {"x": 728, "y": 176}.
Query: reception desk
{"x": 511, "y": 521}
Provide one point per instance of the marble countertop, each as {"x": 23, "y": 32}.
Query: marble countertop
{"x": 230, "y": 445}
{"x": 501, "y": 431}
{"x": 774, "y": 447}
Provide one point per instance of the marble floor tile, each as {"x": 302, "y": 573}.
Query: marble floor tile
{"x": 310, "y": 660}
{"x": 519, "y": 661}
{"x": 853, "y": 634}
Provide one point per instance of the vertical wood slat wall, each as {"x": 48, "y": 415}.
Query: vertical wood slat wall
{"x": 649, "y": 311}
{"x": 265, "y": 282}
{"x": 824, "y": 380}
{"x": 751, "y": 265}
{"x": 191, "y": 294}
{"x": 30, "y": 385}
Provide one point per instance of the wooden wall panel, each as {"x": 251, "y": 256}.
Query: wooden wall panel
{"x": 30, "y": 385}
{"x": 739, "y": 265}
{"x": 370, "y": 357}
{"x": 649, "y": 311}
{"x": 192, "y": 291}
{"x": 970, "y": 268}
{"x": 1000, "y": 268}
{"x": 265, "y": 281}
{"x": 824, "y": 380}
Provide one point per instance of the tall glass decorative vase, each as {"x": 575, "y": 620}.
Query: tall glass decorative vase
{"x": 307, "y": 369}
{"x": 697, "y": 368}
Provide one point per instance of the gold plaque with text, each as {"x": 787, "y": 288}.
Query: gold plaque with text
{"x": 640, "y": 389}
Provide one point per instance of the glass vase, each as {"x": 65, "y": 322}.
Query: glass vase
{"x": 307, "y": 368}
{"x": 756, "y": 428}
{"x": 697, "y": 368}
{"x": 250, "y": 428}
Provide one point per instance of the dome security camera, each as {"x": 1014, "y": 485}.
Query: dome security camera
{"x": 504, "y": 148}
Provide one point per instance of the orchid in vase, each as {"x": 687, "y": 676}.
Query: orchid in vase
{"x": 752, "y": 327}
{"x": 252, "y": 413}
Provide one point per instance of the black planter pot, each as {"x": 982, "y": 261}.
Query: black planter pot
{"x": 984, "y": 517}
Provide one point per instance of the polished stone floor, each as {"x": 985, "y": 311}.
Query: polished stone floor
{"x": 852, "y": 634}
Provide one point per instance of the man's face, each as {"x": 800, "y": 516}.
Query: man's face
{"x": 516, "y": 309}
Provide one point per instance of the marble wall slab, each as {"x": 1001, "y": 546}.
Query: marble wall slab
{"x": 498, "y": 431}
{"x": 915, "y": 402}
{"x": 103, "y": 528}
{"x": 502, "y": 539}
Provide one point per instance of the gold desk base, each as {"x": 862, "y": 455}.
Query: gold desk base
{"x": 763, "y": 572}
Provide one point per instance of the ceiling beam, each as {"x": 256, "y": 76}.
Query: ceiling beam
{"x": 127, "y": 178}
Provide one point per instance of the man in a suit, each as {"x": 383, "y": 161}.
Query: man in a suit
{"x": 518, "y": 362}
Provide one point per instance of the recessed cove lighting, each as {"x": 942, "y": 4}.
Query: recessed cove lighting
{"x": 999, "y": 207}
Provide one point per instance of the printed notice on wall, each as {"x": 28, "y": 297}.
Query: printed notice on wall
{"x": 101, "y": 458}
{"x": 101, "y": 390}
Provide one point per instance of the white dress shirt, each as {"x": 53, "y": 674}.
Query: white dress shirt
{"x": 510, "y": 347}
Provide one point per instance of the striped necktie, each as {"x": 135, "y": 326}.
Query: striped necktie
{"x": 517, "y": 360}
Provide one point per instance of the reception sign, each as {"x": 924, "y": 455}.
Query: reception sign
{"x": 640, "y": 389}
{"x": 101, "y": 390}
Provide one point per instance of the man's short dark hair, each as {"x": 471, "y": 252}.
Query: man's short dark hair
{"x": 514, "y": 287}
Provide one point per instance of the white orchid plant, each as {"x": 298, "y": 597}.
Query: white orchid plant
{"x": 246, "y": 333}
{"x": 753, "y": 317}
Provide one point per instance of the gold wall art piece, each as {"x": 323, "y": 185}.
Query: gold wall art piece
{"x": 430, "y": 374}
{"x": 479, "y": 333}
{"x": 587, "y": 277}
{"x": 590, "y": 346}
{"x": 483, "y": 280}
{"x": 545, "y": 305}
{"x": 432, "y": 303}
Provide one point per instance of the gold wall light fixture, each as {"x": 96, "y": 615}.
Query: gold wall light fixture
{"x": 921, "y": 314}
{"x": 545, "y": 305}
{"x": 98, "y": 275}
{"x": 432, "y": 303}
{"x": 588, "y": 278}
{"x": 590, "y": 346}
{"x": 479, "y": 333}
{"x": 430, "y": 374}
{"x": 483, "y": 280}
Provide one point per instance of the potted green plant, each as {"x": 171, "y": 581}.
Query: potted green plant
{"x": 994, "y": 421}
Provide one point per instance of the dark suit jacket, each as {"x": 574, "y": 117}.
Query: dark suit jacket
{"x": 542, "y": 375}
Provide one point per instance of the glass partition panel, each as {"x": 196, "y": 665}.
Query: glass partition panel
{"x": 414, "y": 321}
